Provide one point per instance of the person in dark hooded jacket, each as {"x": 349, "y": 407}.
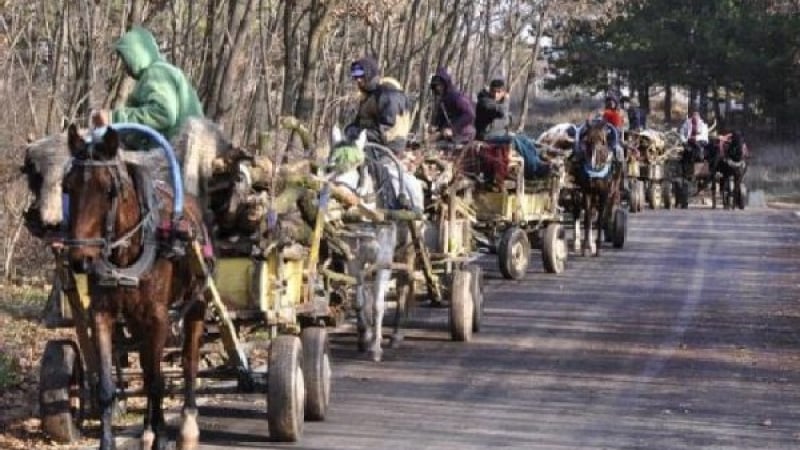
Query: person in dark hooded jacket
{"x": 491, "y": 114}
{"x": 454, "y": 113}
{"x": 384, "y": 111}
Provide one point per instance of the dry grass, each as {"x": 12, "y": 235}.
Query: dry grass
{"x": 775, "y": 169}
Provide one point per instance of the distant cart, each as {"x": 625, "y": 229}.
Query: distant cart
{"x": 514, "y": 213}
{"x": 652, "y": 175}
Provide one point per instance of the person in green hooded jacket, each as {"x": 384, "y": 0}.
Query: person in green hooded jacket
{"x": 162, "y": 98}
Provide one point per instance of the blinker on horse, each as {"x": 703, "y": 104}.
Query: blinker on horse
{"x": 114, "y": 212}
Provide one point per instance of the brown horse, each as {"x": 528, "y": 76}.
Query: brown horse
{"x": 114, "y": 228}
{"x": 598, "y": 179}
{"x": 727, "y": 157}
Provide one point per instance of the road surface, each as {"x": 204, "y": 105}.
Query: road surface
{"x": 685, "y": 339}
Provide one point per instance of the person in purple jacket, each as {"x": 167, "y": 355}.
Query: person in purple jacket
{"x": 454, "y": 113}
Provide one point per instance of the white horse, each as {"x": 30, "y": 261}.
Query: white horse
{"x": 380, "y": 181}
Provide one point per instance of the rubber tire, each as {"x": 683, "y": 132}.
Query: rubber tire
{"x": 286, "y": 393}
{"x": 635, "y": 202}
{"x": 461, "y": 306}
{"x": 60, "y": 374}
{"x": 316, "y": 372}
{"x": 511, "y": 238}
{"x": 620, "y": 224}
{"x": 478, "y": 300}
{"x": 554, "y": 244}
{"x": 666, "y": 195}
{"x": 641, "y": 196}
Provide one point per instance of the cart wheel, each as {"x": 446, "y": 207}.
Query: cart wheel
{"x": 620, "y": 228}
{"x": 61, "y": 381}
{"x": 316, "y": 372}
{"x": 743, "y": 198}
{"x": 666, "y": 194}
{"x": 634, "y": 194}
{"x": 477, "y": 296}
{"x": 461, "y": 306}
{"x": 554, "y": 249}
{"x": 641, "y": 196}
{"x": 637, "y": 194}
{"x": 654, "y": 198}
{"x": 513, "y": 253}
{"x": 286, "y": 391}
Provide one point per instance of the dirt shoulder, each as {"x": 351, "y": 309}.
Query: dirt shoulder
{"x": 22, "y": 341}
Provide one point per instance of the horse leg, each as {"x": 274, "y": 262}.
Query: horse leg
{"x": 602, "y": 222}
{"x": 387, "y": 241}
{"x": 576, "y": 224}
{"x": 713, "y": 173}
{"x": 106, "y": 392}
{"x": 587, "y": 225}
{"x": 362, "y": 315}
{"x": 155, "y": 433}
{"x": 405, "y": 294}
{"x": 189, "y": 437}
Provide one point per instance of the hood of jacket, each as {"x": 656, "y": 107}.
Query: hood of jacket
{"x": 369, "y": 67}
{"x": 138, "y": 50}
{"x": 444, "y": 76}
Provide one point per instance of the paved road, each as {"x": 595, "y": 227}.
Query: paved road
{"x": 686, "y": 339}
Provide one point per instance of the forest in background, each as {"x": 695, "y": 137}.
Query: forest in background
{"x": 254, "y": 61}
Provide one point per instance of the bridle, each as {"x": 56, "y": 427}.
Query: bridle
{"x": 108, "y": 272}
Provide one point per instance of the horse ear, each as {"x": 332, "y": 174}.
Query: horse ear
{"x": 361, "y": 142}
{"x": 336, "y": 135}
{"x": 110, "y": 142}
{"x": 74, "y": 140}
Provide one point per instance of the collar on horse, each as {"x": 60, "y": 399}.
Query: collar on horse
{"x": 108, "y": 273}
{"x": 601, "y": 173}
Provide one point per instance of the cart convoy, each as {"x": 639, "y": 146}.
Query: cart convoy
{"x": 303, "y": 246}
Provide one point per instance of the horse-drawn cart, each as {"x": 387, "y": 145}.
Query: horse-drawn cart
{"x": 264, "y": 329}
{"x": 651, "y": 169}
{"x": 515, "y": 213}
{"x": 445, "y": 248}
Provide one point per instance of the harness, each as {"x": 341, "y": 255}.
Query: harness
{"x": 107, "y": 272}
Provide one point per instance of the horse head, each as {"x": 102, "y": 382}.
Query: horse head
{"x": 98, "y": 186}
{"x": 594, "y": 143}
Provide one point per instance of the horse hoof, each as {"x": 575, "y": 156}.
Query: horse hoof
{"x": 187, "y": 443}
{"x": 148, "y": 438}
{"x": 395, "y": 341}
{"x": 189, "y": 437}
{"x": 377, "y": 355}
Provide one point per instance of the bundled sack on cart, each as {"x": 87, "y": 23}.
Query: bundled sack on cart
{"x": 491, "y": 161}
{"x": 650, "y": 145}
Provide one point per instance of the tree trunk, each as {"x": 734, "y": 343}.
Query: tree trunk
{"x": 290, "y": 51}
{"x": 223, "y": 103}
{"x": 668, "y": 103}
{"x": 487, "y": 44}
{"x": 122, "y": 83}
{"x": 530, "y": 79}
{"x": 318, "y": 20}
